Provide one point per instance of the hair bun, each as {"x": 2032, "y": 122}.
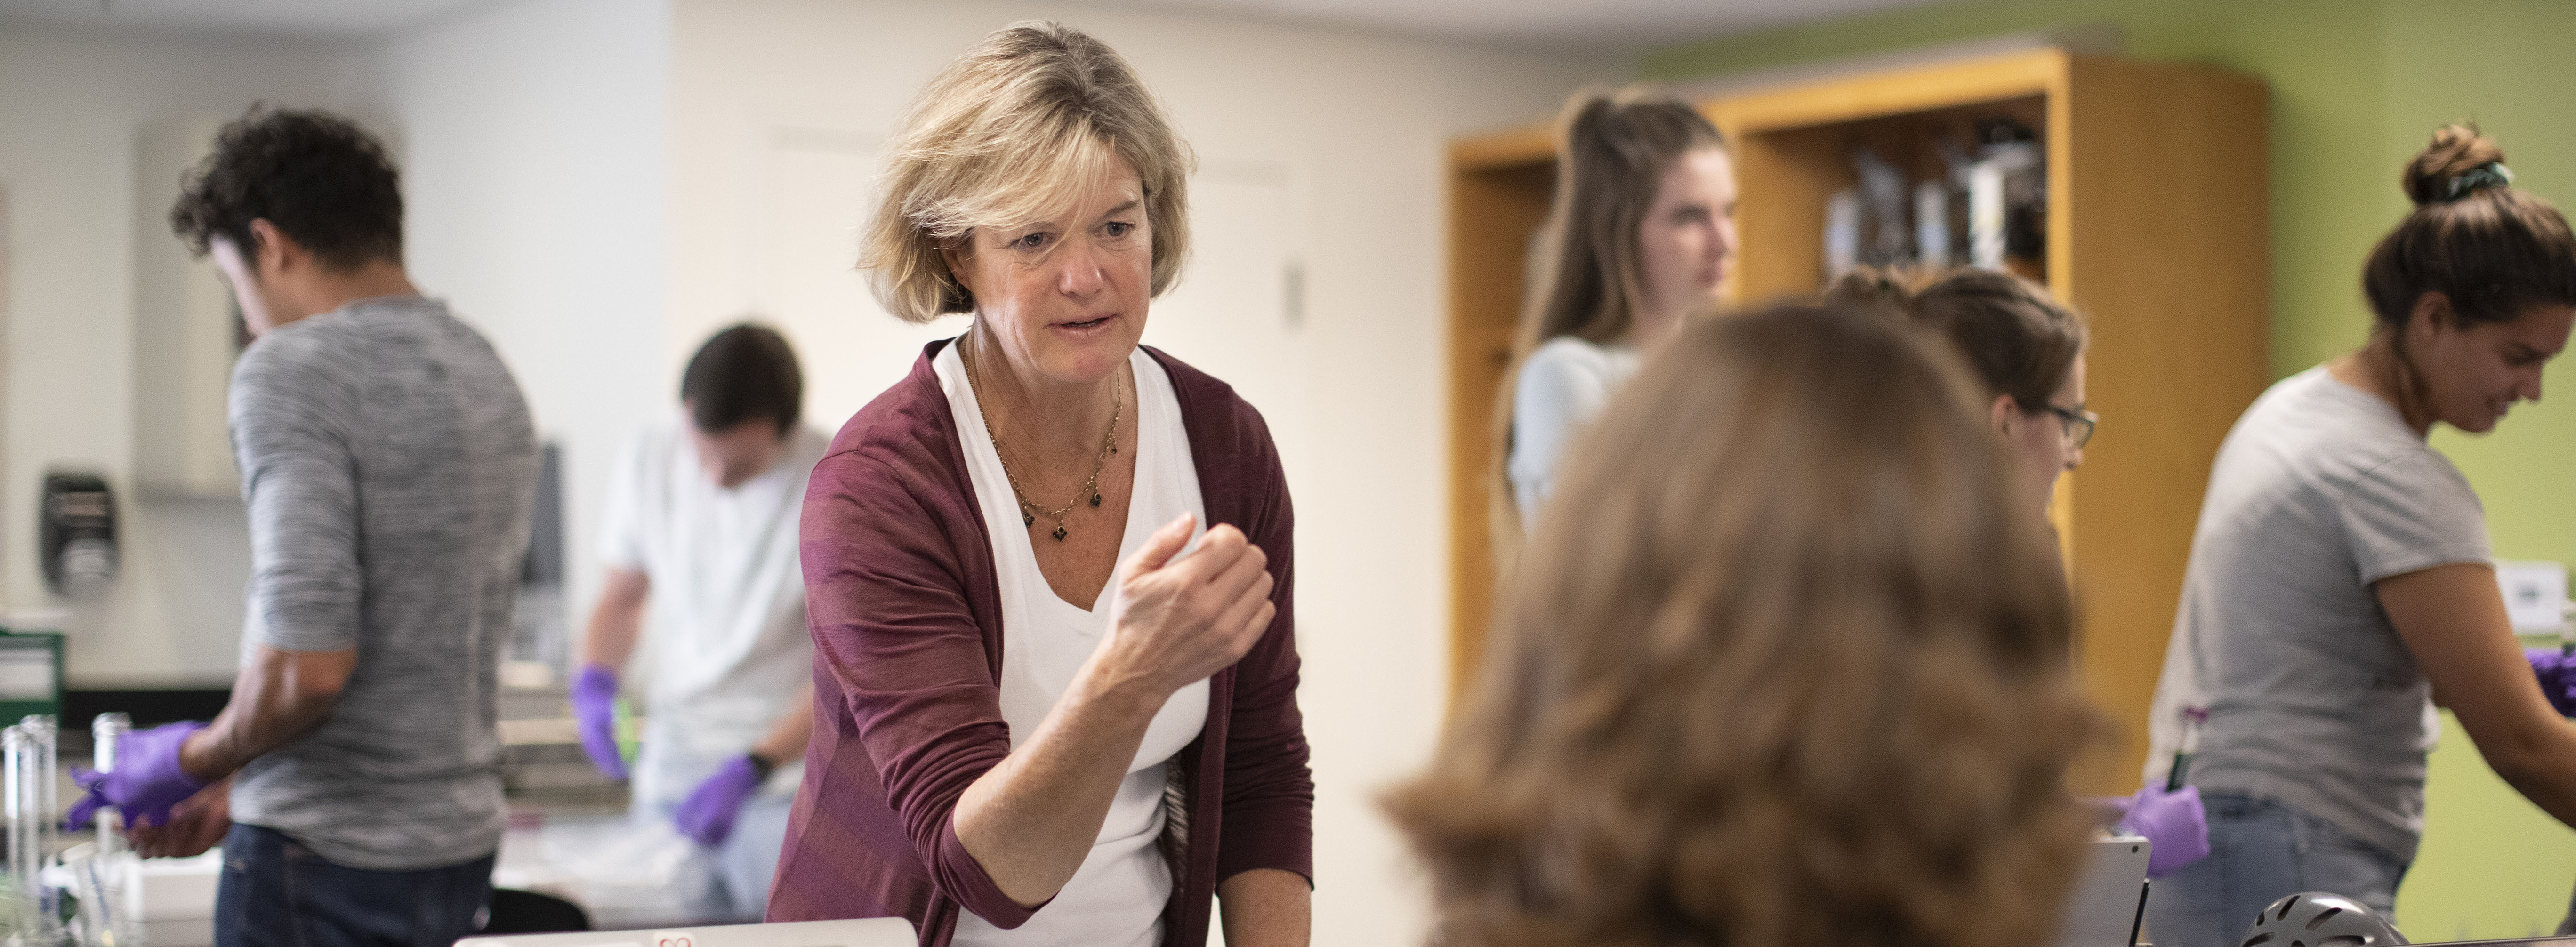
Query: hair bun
{"x": 1875, "y": 286}
{"x": 2457, "y": 150}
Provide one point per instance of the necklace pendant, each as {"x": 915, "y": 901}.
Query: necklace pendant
{"x": 1095, "y": 499}
{"x": 1059, "y": 532}
{"x": 1027, "y": 520}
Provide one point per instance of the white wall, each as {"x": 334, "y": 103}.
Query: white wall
{"x": 1322, "y": 148}
{"x": 597, "y": 184}
{"x": 72, "y": 102}
{"x": 534, "y": 139}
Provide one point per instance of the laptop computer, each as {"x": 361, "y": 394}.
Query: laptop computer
{"x": 2110, "y": 897}
{"x": 872, "y": 932}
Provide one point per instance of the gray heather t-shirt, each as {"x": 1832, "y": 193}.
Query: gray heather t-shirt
{"x": 2320, "y": 490}
{"x": 390, "y": 469}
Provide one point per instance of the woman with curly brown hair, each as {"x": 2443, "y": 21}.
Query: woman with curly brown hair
{"x": 1789, "y": 667}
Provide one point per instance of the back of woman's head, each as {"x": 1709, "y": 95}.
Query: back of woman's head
{"x": 1612, "y": 152}
{"x": 2018, "y": 340}
{"x": 1785, "y": 665}
{"x": 2489, "y": 248}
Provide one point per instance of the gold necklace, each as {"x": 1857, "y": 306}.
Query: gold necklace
{"x": 1030, "y": 510}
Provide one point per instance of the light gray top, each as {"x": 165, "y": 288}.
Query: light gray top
{"x": 2319, "y": 491}
{"x": 1562, "y": 385}
{"x": 390, "y": 469}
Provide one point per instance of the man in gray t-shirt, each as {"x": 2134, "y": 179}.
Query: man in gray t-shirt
{"x": 390, "y": 469}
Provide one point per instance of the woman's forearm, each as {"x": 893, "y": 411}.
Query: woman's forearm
{"x": 2453, "y": 620}
{"x": 1031, "y": 819}
{"x": 2538, "y": 759}
{"x": 1266, "y": 907}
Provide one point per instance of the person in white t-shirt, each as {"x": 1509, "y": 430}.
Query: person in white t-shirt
{"x": 1642, "y": 233}
{"x": 702, "y": 526}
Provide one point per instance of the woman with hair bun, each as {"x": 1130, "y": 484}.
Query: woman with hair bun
{"x": 2340, "y": 581}
{"x": 1641, "y": 232}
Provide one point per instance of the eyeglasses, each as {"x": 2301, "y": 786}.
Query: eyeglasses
{"x": 2077, "y": 422}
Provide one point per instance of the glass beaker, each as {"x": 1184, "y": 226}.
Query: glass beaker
{"x": 106, "y": 891}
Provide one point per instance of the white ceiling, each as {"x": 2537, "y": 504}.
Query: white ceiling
{"x": 1569, "y": 25}
{"x": 316, "y": 18}
{"x": 1566, "y": 25}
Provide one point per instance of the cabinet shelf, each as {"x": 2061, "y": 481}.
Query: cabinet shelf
{"x": 2157, "y": 229}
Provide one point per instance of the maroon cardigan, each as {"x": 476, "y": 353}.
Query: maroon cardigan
{"x": 907, "y": 622}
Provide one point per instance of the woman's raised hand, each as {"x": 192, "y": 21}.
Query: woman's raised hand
{"x": 1172, "y": 623}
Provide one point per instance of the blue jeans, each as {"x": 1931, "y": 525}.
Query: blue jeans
{"x": 2260, "y": 851}
{"x": 276, "y": 891}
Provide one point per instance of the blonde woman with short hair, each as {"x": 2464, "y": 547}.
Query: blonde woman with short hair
{"x": 1788, "y": 666}
{"x": 1048, "y": 573}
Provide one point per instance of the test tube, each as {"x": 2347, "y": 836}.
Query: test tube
{"x": 110, "y": 881}
{"x": 46, "y": 739}
{"x": 107, "y": 732}
{"x": 2192, "y": 720}
{"x": 18, "y": 796}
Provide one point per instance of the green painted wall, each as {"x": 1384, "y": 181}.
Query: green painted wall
{"x": 2357, "y": 87}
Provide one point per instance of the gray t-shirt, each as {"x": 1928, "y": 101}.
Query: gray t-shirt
{"x": 2319, "y": 491}
{"x": 390, "y": 469}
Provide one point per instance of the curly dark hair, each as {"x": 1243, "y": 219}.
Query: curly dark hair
{"x": 317, "y": 177}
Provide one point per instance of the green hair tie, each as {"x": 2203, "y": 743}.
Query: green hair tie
{"x": 2490, "y": 174}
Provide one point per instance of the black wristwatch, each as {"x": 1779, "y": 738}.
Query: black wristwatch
{"x": 760, "y": 767}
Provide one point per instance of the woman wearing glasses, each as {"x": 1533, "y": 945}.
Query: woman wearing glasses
{"x": 2027, "y": 349}
{"x": 2340, "y": 581}
{"x": 2029, "y": 353}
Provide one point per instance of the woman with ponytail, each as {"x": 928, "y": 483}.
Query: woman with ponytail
{"x": 1641, "y": 232}
{"x": 2340, "y": 581}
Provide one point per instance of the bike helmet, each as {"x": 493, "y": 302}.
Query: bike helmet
{"x": 2319, "y": 919}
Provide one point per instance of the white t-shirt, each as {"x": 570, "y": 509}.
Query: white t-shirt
{"x": 2319, "y": 491}
{"x": 1117, "y": 896}
{"x": 726, "y": 635}
{"x": 1562, "y": 385}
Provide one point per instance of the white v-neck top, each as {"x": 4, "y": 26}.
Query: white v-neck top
{"x": 1117, "y": 896}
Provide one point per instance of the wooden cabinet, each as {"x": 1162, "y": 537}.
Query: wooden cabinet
{"x": 2157, "y": 230}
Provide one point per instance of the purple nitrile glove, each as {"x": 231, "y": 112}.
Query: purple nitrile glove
{"x": 2557, "y": 672}
{"x": 594, "y": 704}
{"x": 147, "y": 780}
{"x": 2175, "y": 822}
{"x": 707, "y": 815}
